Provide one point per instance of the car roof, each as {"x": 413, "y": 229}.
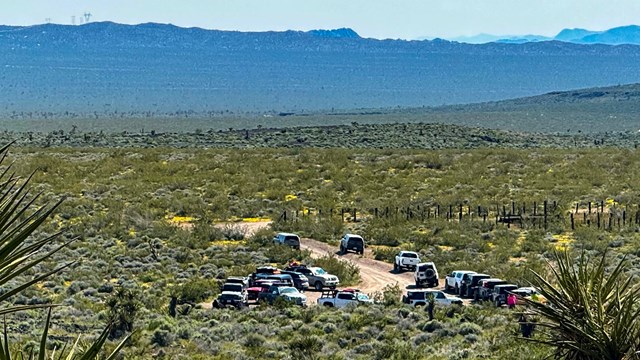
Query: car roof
{"x": 424, "y": 290}
{"x": 463, "y": 272}
{"x": 238, "y": 278}
{"x": 491, "y": 279}
{"x": 489, "y": 276}
{"x": 352, "y": 235}
{"x": 408, "y": 252}
{"x": 427, "y": 263}
{"x": 287, "y": 234}
{"x": 506, "y": 285}
{"x": 528, "y": 288}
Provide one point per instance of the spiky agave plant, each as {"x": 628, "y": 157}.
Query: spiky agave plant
{"x": 592, "y": 310}
{"x": 20, "y": 254}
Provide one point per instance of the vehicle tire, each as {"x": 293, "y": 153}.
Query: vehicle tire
{"x": 395, "y": 267}
{"x": 418, "y": 285}
{"x": 342, "y": 251}
{"x": 456, "y": 290}
{"x": 446, "y": 286}
{"x": 318, "y": 285}
{"x": 328, "y": 304}
{"x": 429, "y": 273}
{"x": 498, "y": 303}
{"x": 332, "y": 287}
{"x": 420, "y": 304}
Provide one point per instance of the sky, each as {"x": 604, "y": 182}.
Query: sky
{"x": 382, "y": 19}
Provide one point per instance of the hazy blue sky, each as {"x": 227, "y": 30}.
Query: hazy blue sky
{"x": 407, "y": 19}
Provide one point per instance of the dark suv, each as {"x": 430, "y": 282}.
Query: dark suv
{"x": 485, "y": 288}
{"x": 470, "y": 282}
{"x": 500, "y": 292}
{"x": 300, "y": 281}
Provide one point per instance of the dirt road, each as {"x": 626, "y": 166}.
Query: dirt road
{"x": 375, "y": 274}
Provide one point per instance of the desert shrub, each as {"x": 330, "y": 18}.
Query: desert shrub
{"x": 163, "y": 336}
{"x": 389, "y": 296}
{"x": 387, "y": 254}
{"x": 207, "y": 232}
{"x": 431, "y": 326}
{"x": 305, "y": 346}
{"x": 346, "y": 271}
{"x": 196, "y": 290}
{"x": 234, "y": 231}
{"x": 469, "y": 328}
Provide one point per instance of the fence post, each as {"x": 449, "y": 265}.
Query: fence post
{"x": 342, "y": 214}
{"x": 573, "y": 227}
{"x": 460, "y": 213}
{"x": 355, "y": 216}
{"x": 545, "y": 214}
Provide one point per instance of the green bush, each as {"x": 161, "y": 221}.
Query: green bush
{"x": 196, "y": 290}
{"x": 346, "y": 271}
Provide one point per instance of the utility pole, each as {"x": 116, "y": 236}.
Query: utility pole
{"x": 73, "y": 19}
{"x": 87, "y": 17}
{"x": 47, "y": 20}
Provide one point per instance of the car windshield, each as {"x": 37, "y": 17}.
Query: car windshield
{"x": 319, "y": 271}
{"x": 288, "y": 290}
{"x": 363, "y": 297}
{"x": 232, "y": 287}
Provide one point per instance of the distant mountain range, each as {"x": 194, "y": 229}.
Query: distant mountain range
{"x": 108, "y": 70}
{"x": 615, "y": 36}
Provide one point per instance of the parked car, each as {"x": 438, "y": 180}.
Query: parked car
{"x": 352, "y": 242}
{"x": 453, "y": 281}
{"x": 289, "y": 239}
{"x": 406, "y": 260}
{"x": 485, "y": 287}
{"x": 261, "y": 286}
{"x": 530, "y": 293}
{"x": 283, "y": 278}
{"x": 233, "y": 287}
{"x": 230, "y": 298}
{"x": 426, "y": 274}
{"x": 318, "y": 277}
{"x": 420, "y": 298}
{"x": 300, "y": 281}
{"x": 244, "y": 280}
{"x": 470, "y": 283}
{"x": 342, "y": 298}
{"x": 500, "y": 292}
{"x": 261, "y": 272}
{"x": 287, "y": 293}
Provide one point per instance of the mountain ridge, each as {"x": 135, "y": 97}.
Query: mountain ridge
{"x": 107, "y": 70}
{"x": 628, "y": 34}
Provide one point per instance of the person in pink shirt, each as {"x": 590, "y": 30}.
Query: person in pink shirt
{"x": 512, "y": 300}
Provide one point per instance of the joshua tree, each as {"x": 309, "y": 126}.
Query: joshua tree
{"x": 591, "y": 312}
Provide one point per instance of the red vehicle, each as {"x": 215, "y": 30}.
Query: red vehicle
{"x": 261, "y": 286}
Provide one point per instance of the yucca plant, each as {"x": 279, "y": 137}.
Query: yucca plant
{"x": 592, "y": 311}
{"x": 20, "y": 254}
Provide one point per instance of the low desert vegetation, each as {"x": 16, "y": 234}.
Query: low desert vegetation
{"x": 149, "y": 227}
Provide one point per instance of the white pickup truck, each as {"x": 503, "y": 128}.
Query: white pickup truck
{"x": 342, "y": 298}
{"x": 406, "y": 260}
